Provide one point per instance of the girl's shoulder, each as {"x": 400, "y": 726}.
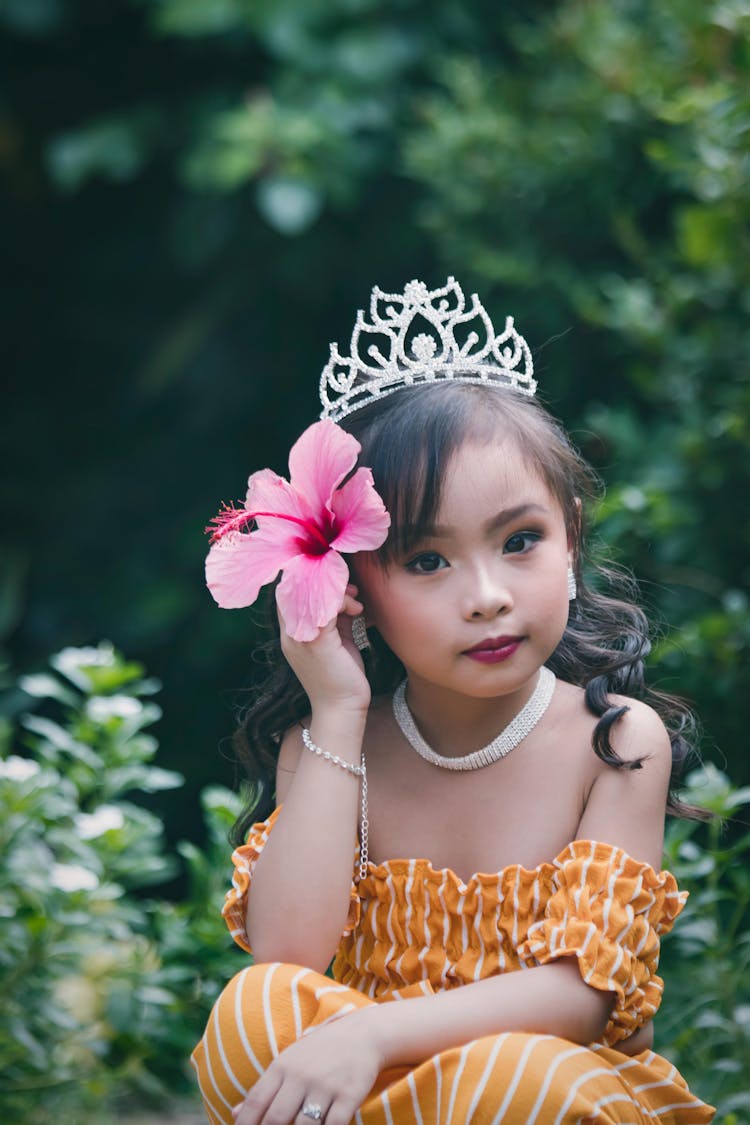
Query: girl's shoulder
{"x": 640, "y": 733}
{"x": 639, "y": 730}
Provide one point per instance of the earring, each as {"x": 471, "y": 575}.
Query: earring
{"x": 572, "y": 588}
{"x": 359, "y": 633}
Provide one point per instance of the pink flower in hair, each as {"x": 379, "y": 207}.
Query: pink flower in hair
{"x": 299, "y": 527}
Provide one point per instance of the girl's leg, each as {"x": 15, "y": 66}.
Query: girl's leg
{"x": 261, "y": 1011}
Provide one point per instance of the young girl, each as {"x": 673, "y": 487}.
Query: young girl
{"x": 496, "y": 751}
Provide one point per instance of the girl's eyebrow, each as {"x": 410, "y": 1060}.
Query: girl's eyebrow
{"x": 507, "y": 515}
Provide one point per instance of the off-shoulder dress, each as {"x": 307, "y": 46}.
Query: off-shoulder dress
{"x": 414, "y": 930}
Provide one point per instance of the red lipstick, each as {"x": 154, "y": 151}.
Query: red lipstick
{"x": 494, "y": 649}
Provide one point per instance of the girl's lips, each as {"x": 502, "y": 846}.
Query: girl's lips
{"x": 494, "y": 650}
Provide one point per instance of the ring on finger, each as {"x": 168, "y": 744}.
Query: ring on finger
{"x": 312, "y": 1110}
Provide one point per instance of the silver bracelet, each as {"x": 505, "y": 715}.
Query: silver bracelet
{"x": 357, "y": 771}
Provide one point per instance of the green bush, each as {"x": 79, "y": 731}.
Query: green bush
{"x": 105, "y": 991}
{"x": 704, "y": 1023}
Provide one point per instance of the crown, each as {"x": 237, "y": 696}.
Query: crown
{"x": 419, "y": 330}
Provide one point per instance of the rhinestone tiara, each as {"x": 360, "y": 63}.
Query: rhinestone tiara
{"x": 419, "y": 327}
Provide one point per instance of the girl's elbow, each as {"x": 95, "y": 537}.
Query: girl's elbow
{"x": 595, "y": 1019}
{"x": 290, "y": 946}
{"x": 275, "y": 954}
{"x": 595, "y": 1011}
{"x": 587, "y": 1009}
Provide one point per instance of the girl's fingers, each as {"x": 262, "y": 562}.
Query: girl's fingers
{"x": 253, "y": 1109}
{"x": 287, "y": 1105}
{"x": 351, "y": 607}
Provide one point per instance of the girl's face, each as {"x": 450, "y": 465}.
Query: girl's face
{"x": 481, "y": 603}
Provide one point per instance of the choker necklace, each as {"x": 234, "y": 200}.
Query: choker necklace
{"x": 507, "y": 740}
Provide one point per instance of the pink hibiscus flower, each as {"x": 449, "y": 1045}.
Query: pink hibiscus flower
{"x": 299, "y": 527}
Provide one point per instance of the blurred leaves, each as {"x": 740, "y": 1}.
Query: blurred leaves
{"x": 104, "y": 991}
{"x": 703, "y": 1024}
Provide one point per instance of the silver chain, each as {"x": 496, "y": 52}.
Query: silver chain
{"x": 364, "y": 831}
{"x": 359, "y": 771}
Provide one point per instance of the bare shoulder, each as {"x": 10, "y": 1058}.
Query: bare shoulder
{"x": 640, "y": 734}
{"x": 626, "y": 807}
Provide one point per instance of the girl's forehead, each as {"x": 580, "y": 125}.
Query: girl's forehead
{"x": 496, "y": 474}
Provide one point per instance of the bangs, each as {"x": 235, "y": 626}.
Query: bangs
{"x": 409, "y": 438}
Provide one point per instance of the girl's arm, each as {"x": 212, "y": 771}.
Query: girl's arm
{"x": 336, "y": 1065}
{"x": 551, "y": 999}
{"x": 299, "y": 895}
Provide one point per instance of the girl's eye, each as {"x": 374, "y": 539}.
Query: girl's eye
{"x": 427, "y": 563}
{"x": 520, "y": 542}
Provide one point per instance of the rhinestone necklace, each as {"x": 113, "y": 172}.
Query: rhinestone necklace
{"x": 507, "y": 740}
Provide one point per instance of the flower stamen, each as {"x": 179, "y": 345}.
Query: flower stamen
{"x": 236, "y": 519}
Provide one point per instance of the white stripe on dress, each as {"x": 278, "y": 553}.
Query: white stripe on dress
{"x": 517, "y": 1074}
{"x": 438, "y": 1086}
{"x": 240, "y": 1023}
{"x": 456, "y": 1079}
{"x": 500, "y": 1039}
{"x": 225, "y": 1061}
{"x": 574, "y": 1090}
{"x": 407, "y": 919}
{"x": 211, "y": 1110}
{"x": 478, "y": 931}
{"x": 414, "y": 1098}
{"x": 294, "y": 988}
{"x": 559, "y": 1058}
{"x": 210, "y": 1071}
{"x": 267, "y": 1013}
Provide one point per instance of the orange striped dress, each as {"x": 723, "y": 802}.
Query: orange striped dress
{"x": 414, "y": 930}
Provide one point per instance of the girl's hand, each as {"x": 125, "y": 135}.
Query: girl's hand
{"x": 333, "y": 1067}
{"x": 330, "y": 668}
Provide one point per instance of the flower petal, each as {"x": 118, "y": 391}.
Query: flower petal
{"x": 318, "y": 462}
{"x": 311, "y": 592}
{"x": 361, "y": 516}
{"x": 238, "y": 565}
{"x": 268, "y": 492}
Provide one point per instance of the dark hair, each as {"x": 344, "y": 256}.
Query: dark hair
{"x": 407, "y": 440}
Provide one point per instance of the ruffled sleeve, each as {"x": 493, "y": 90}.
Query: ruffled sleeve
{"x": 608, "y": 910}
{"x": 244, "y": 858}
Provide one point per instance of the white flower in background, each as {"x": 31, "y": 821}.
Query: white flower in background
{"x": 73, "y": 662}
{"x": 73, "y": 877}
{"x": 18, "y": 769}
{"x": 103, "y": 707}
{"x": 103, "y": 656}
{"x": 106, "y": 818}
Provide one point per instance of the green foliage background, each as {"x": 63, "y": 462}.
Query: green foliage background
{"x": 199, "y": 193}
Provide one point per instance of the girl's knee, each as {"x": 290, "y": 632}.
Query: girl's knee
{"x": 236, "y": 1048}
{"x": 261, "y": 1010}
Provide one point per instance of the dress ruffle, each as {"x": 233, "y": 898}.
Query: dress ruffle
{"x": 608, "y": 910}
{"x": 411, "y": 924}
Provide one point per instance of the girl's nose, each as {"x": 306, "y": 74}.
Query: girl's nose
{"x": 486, "y": 595}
